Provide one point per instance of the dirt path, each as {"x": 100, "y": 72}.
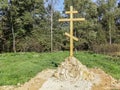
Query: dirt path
{"x": 107, "y": 82}
{"x": 34, "y": 84}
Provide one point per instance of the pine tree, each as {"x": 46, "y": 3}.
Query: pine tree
{"x": 86, "y": 31}
{"x": 107, "y": 17}
{"x": 17, "y": 21}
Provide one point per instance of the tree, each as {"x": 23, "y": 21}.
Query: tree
{"x": 107, "y": 17}
{"x": 50, "y": 9}
{"x": 17, "y": 20}
{"x": 86, "y": 31}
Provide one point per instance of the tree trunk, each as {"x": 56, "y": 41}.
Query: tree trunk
{"x": 110, "y": 37}
{"x": 51, "y": 25}
{"x": 110, "y": 34}
{"x": 14, "y": 41}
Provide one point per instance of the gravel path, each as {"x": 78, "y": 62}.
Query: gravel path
{"x": 54, "y": 84}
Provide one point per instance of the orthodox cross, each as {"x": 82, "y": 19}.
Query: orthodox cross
{"x": 71, "y": 19}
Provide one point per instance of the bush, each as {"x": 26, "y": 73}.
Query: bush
{"x": 106, "y": 48}
{"x": 33, "y": 45}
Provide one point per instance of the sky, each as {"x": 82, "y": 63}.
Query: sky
{"x": 59, "y": 6}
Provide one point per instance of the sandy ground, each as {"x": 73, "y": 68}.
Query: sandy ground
{"x": 107, "y": 82}
{"x": 33, "y": 84}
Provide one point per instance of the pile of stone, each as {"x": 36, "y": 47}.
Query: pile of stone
{"x": 74, "y": 70}
{"x": 71, "y": 75}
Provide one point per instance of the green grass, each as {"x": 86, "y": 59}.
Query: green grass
{"x": 20, "y": 67}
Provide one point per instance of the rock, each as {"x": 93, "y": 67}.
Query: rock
{"x": 71, "y": 75}
{"x": 18, "y": 84}
{"x": 73, "y": 70}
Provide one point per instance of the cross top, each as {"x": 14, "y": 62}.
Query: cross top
{"x": 71, "y": 20}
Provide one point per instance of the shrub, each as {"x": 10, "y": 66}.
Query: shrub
{"x": 106, "y": 48}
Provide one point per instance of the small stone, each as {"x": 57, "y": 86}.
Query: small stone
{"x": 73, "y": 70}
{"x": 18, "y": 84}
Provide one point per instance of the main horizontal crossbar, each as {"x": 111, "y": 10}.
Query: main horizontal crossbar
{"x": 69, "y": 12}
{"x": 75, "y": 19}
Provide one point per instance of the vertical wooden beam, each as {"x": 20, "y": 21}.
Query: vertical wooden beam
{"x": 71, "y": 32}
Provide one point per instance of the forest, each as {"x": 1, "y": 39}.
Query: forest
{"x": 33, "y": 26}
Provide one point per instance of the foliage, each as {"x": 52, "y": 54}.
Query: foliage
{"x": 100, "y": 25}
{"x": 17, "y": 21}
{"x": 107, "y": 12}
{"x": 107, "y": 49}
{"x": 87, "y": 30}
{"x": 23, "y": 22}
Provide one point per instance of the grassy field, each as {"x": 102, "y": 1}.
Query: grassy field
{"x": 20, "y": 67}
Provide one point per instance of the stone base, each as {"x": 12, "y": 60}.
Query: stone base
{"x": 71, "y": 75}
{"x": 73, "y": 70}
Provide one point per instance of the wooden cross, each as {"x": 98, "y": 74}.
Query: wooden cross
{"x": 71, "y": 19}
